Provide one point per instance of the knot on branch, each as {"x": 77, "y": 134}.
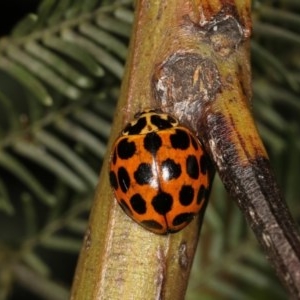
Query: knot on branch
{"x": 184, "y": 83}
{"x": 225, "y": 34}
{"x": 223, "y": 31}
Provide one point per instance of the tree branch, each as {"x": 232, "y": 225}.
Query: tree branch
{"x": 217, "y": 79}
{"x": 190, "y": 58}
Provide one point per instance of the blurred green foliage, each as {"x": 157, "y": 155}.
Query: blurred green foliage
{"x": 60, "y": 72}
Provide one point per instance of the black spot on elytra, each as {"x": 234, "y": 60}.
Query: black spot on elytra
{"x": 152, "y": 142}
{"x": 159, "y": 122}
{"x": 201, "y": 194}
{"x": 203, "y": 164}
{"x": 151, "y": 224}
{"x": 186, "y": 195}
{"x": 137, "y": 127}
{"x": 125, "y": 207}
{"x": 182, "y": 218}
{"x": 143, "y": 174}
{"x": 192, "y": 167}
{"x": 126, "y": 149}
{"x": 124, "y": 179}
{"x": 170, "y": 169}
{"x": 113, "y": 180}
{"x": 180, "y": 140}
{"x": 138, "y": 204}
{"x": 162, "y": 203}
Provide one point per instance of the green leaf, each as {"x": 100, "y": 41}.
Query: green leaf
{"x": 36, "y": 263}
{"x": 271, "y": 117}
{"x": 102, "y": 56}
{"x": 9, "y": 163}
{"x": 217, "y": 247}
{"x": 124, "y": 15}
{"x": 257, "y": 258}
{"x": 103, "y": 38}
{"x": 77, "y": 226}
{"x": 88, "y": 5}
{"x": 276, "y": 94}
{"x": 25, "y": 26}
{"x": 271, "y": 138}
{"x": 81, "y": 135}
{"x": 50, "y": 163}
{"x": 58, "y": 12}
{"x": 42, "y": 286}
{"x": 62, "y": 244}
{"x": 59, "y": 65}
{"x": 227, "y": 290}
{"x": 93, "y": 122}
{"x": 213, "y": 219}
{"x": 292, "y": 162}
{"x": 44, "y": 72}
{"x": 112, "y": 25}
{"x": 45, "y": 10}
{"x": 249, "y": 274}
{"x": 272, "y": 14}
{"x": 26, "y": 79}
{"x": 275, "y": 32}
{"x": 271, "y": 61}
{"x": 29, "y": 214}
{"x": 69, "y": 156}
{"x": 105, "y": 108}
{"x": 74, "y": 52}
{"x": 8, "y": 112}
{"x": 5, "y": 203}
{"x": 74, "y": 10}
{"x": 235, "y": 228}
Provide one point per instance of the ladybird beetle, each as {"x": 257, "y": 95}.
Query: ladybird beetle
{"x": 159, "y": 172}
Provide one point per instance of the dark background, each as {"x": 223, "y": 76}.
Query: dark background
{"x": 14, "y": 10}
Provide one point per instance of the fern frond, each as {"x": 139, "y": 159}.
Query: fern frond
{"x": 46, "y": 160}
{"x": 59, "y": 55}
{"x": 273, "y": 66}
{"x": 14, "y": 166}
{"x": 5, "y": 204}
{"x": 51, "y": 148}
{"x": 64, "y": 152}
{"x": 32, "y": 260}
{"x": 42, "y": 286}
{"x": 44, "y": 48}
